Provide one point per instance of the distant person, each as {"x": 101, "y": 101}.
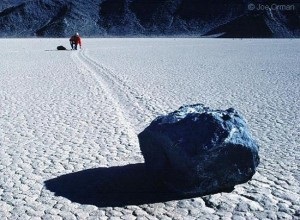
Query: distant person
{"x": 74, "y": 41}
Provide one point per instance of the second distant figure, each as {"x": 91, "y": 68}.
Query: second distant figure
{"x": 74, "y": 41}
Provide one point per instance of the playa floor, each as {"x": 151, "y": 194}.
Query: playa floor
{"x": 69, "y": 122}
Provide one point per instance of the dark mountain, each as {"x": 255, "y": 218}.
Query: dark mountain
{"x": 223, "y": 18}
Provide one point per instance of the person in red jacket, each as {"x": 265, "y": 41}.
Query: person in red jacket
{"x": 74, "y": 41}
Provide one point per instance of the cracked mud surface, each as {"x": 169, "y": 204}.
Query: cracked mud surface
{"x": 78, "y": 113}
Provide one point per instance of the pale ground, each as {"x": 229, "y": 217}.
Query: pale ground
{"x": 68, "y": 111}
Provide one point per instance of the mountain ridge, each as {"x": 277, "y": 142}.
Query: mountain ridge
{"x": 223, "y": 18}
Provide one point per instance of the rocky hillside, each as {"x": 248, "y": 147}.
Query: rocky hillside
{"x": 222, "y": 18}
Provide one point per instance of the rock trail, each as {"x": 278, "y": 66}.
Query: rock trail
{"x": 135, "y": 106}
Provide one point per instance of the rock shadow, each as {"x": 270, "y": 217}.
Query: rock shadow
{"x": 58, "y": 50}
{"x": 112, "y": 187}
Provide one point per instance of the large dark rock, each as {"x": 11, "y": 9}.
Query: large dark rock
{"x": 199, "y": 150}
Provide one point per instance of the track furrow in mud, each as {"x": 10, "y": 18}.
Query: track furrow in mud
{"x": 123, "y": 129}
{"x": 137, "y": 108}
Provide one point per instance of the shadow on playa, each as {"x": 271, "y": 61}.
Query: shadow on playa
{"x": 112, "y": 187}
